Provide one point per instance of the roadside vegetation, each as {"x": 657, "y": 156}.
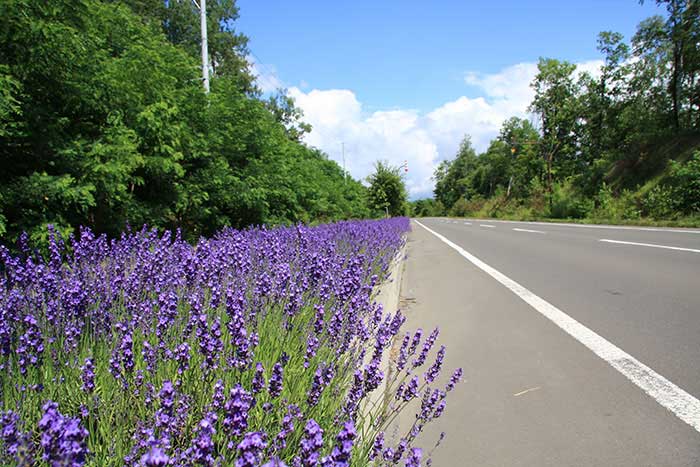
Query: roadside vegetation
{"x": 252, "y": 347}
{"x": 622, "y": 146}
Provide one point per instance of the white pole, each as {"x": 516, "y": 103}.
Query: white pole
{"x": 205, "y": 48}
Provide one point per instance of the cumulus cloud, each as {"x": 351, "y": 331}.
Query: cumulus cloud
{"x": 423, "y": 139}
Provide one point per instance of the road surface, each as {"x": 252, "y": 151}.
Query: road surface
{"x": 580, "y": 345}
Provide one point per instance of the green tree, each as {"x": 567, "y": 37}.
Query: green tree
{"x": 557, "y": 105}
{"x": 387, "y": 192}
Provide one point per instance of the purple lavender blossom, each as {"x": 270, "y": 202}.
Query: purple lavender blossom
{"x": 274, "y": 462}
{"x": 236, "y": 412}
{"x": 427, "y": 345}
{"x": 322, "y": 378}
{"x": 250, "y": 449}
{"x": 311, "y": 444}
{"x": 182, "y": 357}
{"x": 275, "y": 385}
{"x": 414, "y": 458}
{"x": 63, "y": 440}
{"x": 258, "y": 378}
{"x": 14, "y": 441}
{"x": 454, "y": 379}
{"x": 202, "y": 450}
{"x": 377, "y": 446}
{"x": 218, "y": 398}
{"x": 287, "y": 427}
{"x": 434, "y": 371}
{"x": 155, "y": 458}
{"x": 88, "y": 375}
{"x": 403, "y": 352}
{"x": 342, "y": 451}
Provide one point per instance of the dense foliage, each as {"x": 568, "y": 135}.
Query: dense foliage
{"x": 386, "y": 194}
{"x": 104, "y": 122}
{"x": 616, "y": 146}
{"x": 252, "y": 346}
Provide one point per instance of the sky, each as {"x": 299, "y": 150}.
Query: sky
{"x": 407, "y": 80}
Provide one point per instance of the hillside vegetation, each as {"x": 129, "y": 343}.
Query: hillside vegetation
{"x": 621, "y": 146}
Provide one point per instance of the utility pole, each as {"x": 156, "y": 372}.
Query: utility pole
{"x": 205, "y": 48}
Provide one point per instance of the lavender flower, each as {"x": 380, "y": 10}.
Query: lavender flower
{"x": 342, "y": 451}
{"x": 88, "y": 375}
{"x": 63, "y": 440}
{"x": 155, "y": 458}
{"x": 413, "y": 459}
{"x": 454, "y": 379}
{"x": 275, "y": 385}
{"x": 311, "y": 444}
{"x": 434, "y": 371}
{"x": 258, "y": 378}
{"x": 377, "y": 446}
{"x": 236, "y": 412}
{"x": 250, "y": 449}
{"x": 427, "y": 345}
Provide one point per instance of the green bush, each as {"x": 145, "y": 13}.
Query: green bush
{"x": 568, "y": 203}
{"x": 611, "y": 208}
{"x": 465, "y": 208}
{"x": 685, "y": 179}
{"x": 660, "y": 203}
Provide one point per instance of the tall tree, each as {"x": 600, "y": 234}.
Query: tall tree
{"x": 387, "y": 191}
{"x": 557, "y": 105}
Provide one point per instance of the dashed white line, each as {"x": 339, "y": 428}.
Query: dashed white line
{"x": 675, "y": 399}
{"x": 601, "y": 226}
{"x": 652, "y": 245}
{"x": 530, "y": 231}
{"x": 467, "y": 223}
{"x": 487, "y": 226}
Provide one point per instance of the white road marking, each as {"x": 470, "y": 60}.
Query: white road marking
{"x": 652, "y": 245}
{"x": 518, "y": 394}
{"x": 675, "y": 399}
{"x": 487, "y": 226}
{"x": 528, "y": 230}
{"x": 467, "y": 223}
{"x": 595, "y": 226}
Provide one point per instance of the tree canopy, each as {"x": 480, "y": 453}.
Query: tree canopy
{"x": 104, "y": 122}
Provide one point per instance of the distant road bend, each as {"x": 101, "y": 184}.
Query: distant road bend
{"x": 581, "y": 344}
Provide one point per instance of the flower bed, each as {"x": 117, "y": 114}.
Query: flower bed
{"x": 256, "y": 347}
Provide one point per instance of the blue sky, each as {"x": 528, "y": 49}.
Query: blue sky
{"x": 405, "y": 80}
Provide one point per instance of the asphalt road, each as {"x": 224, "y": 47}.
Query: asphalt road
{"x": 534, "y": 395}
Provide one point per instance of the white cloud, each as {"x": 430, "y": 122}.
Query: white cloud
{"x": 422, "y": 139}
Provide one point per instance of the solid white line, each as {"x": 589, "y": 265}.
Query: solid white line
{"x": 652, "y": 245}
{"x": 488, "y": 226}
{"x": 599, "y": 226}
{"x": 528, "y": 230}
{"x": 682, "y": 404}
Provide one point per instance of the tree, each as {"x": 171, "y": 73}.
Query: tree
{"x": 452, "y": 178}
{"x": 387, "y": 192}
{"x": 556, "y": 104}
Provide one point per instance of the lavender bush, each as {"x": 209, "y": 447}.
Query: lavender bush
{"x": 257, "y": 347}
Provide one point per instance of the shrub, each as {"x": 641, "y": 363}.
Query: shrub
{"x": 660, "y": 203}
{"x": 685, "y": 180}
{"x": 466, "y": 208}
{"x": 567, "y": 203}
{"x": 611, "y": 208}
